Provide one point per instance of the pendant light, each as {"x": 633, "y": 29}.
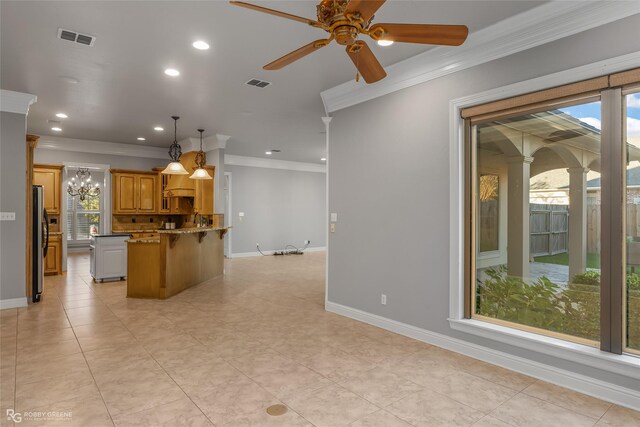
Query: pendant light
{"x": 175, "y": 151}
{"x": 201, "y": 159}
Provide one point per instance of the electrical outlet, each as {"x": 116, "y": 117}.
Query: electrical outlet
{"x": 383, "y": 299}
{"x": 306, "y": 242}
{"x": 332, "y": 227}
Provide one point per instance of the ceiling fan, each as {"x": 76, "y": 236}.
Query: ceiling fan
{"x": 345, "y": 20}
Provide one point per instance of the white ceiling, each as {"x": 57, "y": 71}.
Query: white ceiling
{"x": 123, "y": 93}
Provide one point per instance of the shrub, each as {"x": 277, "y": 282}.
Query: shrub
{"x": 574, "y": 310}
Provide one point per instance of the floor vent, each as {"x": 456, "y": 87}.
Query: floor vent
{"x": 72, "y": 36}
{"x": 258, "y": 83}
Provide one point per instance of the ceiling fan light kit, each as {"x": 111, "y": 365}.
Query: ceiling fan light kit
{"x": 346, "y": 20}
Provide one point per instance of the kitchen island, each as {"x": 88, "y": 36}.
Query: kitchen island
{"x": 159, "y": 267}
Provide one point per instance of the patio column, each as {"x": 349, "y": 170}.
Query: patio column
{"x": 577, "y": 220}
{"x": 519, "y": 172}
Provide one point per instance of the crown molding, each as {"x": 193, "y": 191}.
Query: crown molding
{"x": 16, "y": 102}
{"x": 101, "y": 147}
{"x": 210, "y": 143}
{"x": 543, "y": 24}
{"x": 258, "y": 162}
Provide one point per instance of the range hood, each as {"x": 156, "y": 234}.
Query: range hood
{"x": 182, "y": 185}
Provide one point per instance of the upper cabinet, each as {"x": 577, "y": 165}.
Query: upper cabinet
{"x": 203, "y": 200}
{"x": 50, "y": 177}
{"x": 134, "y": 192}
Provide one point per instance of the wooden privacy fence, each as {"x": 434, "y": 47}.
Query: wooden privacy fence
{"x": 593, "y": 225}
{"x": 549, "y": 229}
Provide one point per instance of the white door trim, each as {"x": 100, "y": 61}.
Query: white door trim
{"x": 228, "y": 216}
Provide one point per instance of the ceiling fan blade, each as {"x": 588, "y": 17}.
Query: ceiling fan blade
{"x": 366, "y": 8}
{"x": 296, "y": 54}
{"x": 276, "y": 13}
{"x": 450, "y": 35}
{"x": 366, "y": 62}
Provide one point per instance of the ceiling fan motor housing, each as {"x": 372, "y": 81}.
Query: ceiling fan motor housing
{"x": 346, "y": 35}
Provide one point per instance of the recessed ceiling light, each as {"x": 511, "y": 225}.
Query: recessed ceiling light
{"x": 56, "y": 129}
{"x": 172, "y": 72}
{"x": 268, "y": 153}
{"x": 141, "y": 138}
{"x": 324, "y": 159}
{"x": 158, "y": 128}
{"x": 61, "y": 115}
{"x": 385, "y": 42}
{"x": 200, "y": 45}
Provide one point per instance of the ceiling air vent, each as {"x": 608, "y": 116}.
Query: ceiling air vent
{"x": 72, "y": 36}
{"x": 258, "y": 83}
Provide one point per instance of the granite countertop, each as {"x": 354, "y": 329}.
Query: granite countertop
{"x": 144, "y": 240}
{"x": 191, "y": 230}
{"x": 139, "y": 230}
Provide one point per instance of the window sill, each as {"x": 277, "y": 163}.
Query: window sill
{"x": 623, "y": 364}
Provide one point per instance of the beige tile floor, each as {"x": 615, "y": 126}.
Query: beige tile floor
{"x": 222, "y": 352}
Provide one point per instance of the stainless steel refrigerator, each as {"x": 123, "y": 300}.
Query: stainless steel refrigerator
{"x": 40, "y": 241}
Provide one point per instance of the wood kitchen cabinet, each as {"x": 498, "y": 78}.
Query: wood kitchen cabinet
{"x": 166, "y": 200}
{"x": 50, "y": 177}
{"x": 134, "y": 192}
{"x": 203, "y": 199}
{"x": 53, "y": 260}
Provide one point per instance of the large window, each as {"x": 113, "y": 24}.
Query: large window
{"x": 546, "y": 247}
{"x": 84, "y": 217}
{"x": 632, "y": 294}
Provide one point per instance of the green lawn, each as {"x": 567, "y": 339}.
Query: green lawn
{"x": 593, "y": 260}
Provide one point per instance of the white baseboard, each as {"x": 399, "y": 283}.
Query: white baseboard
{"x": 593, "y": 387}
{"x": 13, "y": 303}
{"x": 270, "y": 252}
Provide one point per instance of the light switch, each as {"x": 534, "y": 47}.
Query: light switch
{"x": 332, "y": 227}
{"x": 334, "y": 217}
{"x": 241, "y": 214}
{"x": 7, "y": 216}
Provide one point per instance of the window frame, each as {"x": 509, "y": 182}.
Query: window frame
{"x": 73, "y": 213}
{"x": 463, "y": 220}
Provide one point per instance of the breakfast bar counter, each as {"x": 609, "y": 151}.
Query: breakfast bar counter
{"x": 178, "y": 259}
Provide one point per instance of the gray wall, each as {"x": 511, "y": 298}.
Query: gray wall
{"x": 281, "y": 207}
{"x": 393, "y": 208}
{"x": 57, "y": 157}
{"x": 13, "y": 166}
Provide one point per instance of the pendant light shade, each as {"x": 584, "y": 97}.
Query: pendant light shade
{"x": 175, "y": 168}
{"x": 175, "y": 151}
{"x": 201, "y": 160}
{"x": 200, "y": 174}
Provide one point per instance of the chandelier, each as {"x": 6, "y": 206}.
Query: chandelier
{"x": 201, "y": 159}
{"x": 81, "y": 185}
